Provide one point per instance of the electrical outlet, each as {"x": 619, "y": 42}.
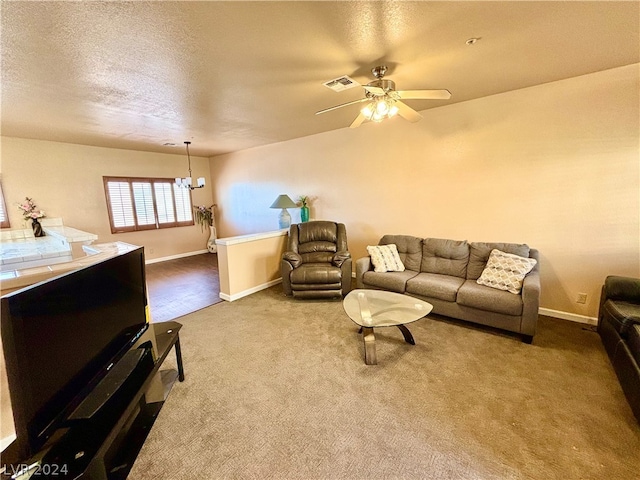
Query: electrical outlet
{"x": 582, "y": 298}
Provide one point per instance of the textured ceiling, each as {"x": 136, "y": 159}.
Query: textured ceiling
{"x": 234, "y": 75}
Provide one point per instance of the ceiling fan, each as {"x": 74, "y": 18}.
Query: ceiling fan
{"x": 384, "y": 101}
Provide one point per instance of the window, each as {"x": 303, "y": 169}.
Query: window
{"x": 146, "y": 204}
{"x": 4, "y": 217}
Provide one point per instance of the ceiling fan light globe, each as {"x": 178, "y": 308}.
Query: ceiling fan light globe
{"x": 393, "y": 111}
{"x": 382, "y": 108}
{"x": 367, "y": 111}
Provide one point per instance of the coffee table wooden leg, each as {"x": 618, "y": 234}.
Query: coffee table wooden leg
{"x": 369, "y": 346}
{"x": 407, "y": 334}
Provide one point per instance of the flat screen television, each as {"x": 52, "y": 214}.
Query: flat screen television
{"x": 60, "y": 338}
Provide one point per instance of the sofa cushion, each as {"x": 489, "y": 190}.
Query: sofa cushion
{"x": 316, "y": 273}
{"x": 506, "y": 271}
{"x": 621, "y": 315}
{"x": 409, "y": 248}
{"x": 318, "y": 231}
{"x": 317, "y": 257}
{"x": 626, "y": 289}
{"x": 446, "y": 257}
{"x": 479, "y": 254}
{"x": 319, "y": 246}
{"x": 489, "y": 299}
{"x": 392, "y": 281}
{"x": 385, "y": 258}
{"x": 443, "y": 287}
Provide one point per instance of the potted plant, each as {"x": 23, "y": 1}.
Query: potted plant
{"x": 205, "y": 217}
{"x": 31, "y": 212}
{"x": 303, "y": 201}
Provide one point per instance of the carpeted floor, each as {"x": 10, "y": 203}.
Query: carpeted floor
{"x": 277, "y": 388}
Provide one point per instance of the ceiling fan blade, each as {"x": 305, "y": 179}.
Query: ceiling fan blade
{"x": 424, "y": 94}
{"x": 358, "y": 121}
{"x": 406, "y": 112}
{"x": 342, "y": 105}
{"x": 374, "y": 90}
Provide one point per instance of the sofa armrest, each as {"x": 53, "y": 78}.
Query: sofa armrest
{"x": 622, "y": 288}
{"x": 285, "y": 270}
{"x": 292, "y": 258}
{"x": 531, "y": 302}
{"x": 363, "y": 265}
{"x": 339, "y": 258}
{"x": 347, "y": 269}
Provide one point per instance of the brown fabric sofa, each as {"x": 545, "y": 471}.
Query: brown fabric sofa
{"x": 619, "y": 329}
{"x": 317, "y": 263}
{"x": 444, "y": 272}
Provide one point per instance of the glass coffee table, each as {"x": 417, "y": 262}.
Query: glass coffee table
{"x": 378, "y": 308}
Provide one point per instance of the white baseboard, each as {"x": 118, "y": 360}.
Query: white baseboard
{"x": 244, "y": 293}
{"x": 173, "y": 257}
{"x": 572, "y": 317}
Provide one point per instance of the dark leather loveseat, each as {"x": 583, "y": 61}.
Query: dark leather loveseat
{"x": 619, "y": 328}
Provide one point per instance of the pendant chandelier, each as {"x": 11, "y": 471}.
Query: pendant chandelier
{"x": 186, "y": 182}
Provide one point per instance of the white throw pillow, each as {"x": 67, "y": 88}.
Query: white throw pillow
{"x": 385, "y": 258}
{"x": 506, "y": 271}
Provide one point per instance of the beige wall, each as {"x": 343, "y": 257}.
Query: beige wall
{"x": 555, "y": 166}
{"x": 65, "y": 180}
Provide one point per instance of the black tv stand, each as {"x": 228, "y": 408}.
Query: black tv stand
{"x": 101, "y": 442}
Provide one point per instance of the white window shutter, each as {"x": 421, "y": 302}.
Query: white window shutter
{"x": 144, "y": 203}
{"x": 121, "y": 204}
{"x": 164, "y": 202}
{"x": 183, "y": 204}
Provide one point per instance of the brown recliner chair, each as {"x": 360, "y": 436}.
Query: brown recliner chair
{"x": 317, "y": 263}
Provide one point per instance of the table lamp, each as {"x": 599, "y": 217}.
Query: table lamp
{"x": 283, "y": 201}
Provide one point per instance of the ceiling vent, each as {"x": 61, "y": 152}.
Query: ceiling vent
{"x": 341, "y": 83}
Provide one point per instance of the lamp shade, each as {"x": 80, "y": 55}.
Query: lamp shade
{"x": 283, "y": 201}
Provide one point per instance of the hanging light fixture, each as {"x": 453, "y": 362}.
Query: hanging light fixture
{"x": 186, "y": 182}
{"x": 379, "y": 108}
